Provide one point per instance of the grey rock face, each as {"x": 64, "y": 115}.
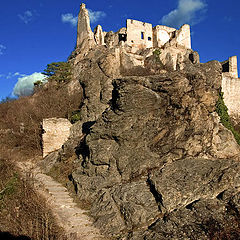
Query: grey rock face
{"x": 179, "y": 182}
{"x": 152, "y": 157}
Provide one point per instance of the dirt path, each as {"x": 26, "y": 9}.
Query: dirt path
{"x": 71, "y": 218}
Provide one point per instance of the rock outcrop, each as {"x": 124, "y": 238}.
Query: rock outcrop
{"x": 98, "y": 35}
{"x": 85, "y": 36}
{"x": 150, "y": 153}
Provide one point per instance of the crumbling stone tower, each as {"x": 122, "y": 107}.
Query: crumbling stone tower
{"x": 136, "y": 34}
{"x": 85, "y": 36}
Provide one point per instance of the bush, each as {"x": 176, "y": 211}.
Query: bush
{"x": 222, "y": 111}
{"x": 75, "y": 116}
{"x": 157, "y": 53}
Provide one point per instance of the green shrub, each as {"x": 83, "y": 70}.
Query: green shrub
{"x": 76, "y": 116}
{"x": 222, "y": 111}
{"x": 157, "y": 53}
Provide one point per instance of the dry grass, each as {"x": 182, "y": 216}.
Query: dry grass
{"x": 21, "y": 119}
{"x": 22, "y": 210}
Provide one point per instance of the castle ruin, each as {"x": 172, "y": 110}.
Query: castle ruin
{"x": 136, "y": 34}
{"x": 174, "y": 44}
{"x": 130, "y": 46}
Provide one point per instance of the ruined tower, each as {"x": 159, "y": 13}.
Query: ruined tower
{"x": 85, "y": 37}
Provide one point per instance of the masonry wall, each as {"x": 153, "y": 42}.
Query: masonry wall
{"x": 184, "y": 36}
{"x": 56, "y": 132}
{"x": 134, "y": 34}
{"x": 233, "y": 68}
{"x": 231, "y": 90}
{"x": 162, "y": 34}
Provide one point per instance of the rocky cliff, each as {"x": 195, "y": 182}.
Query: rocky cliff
{"x": 150, "y": 154}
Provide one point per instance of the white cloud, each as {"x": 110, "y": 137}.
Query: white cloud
{"x": 94, "y": 16}
{"x": 184, "y": 13}
{"x": 69, "y": 18}
{"x": 26, "y": 17}
{"x": 16, "y": 74}
{"x": 2, "y": 48}
{"x": 25, "y": 85}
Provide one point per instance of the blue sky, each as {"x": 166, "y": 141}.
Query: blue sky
{"x": 34, "y": 33}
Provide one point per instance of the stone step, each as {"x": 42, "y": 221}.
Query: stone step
{"x": 65, "y": 206}
{"x": 61, "y": 198}
{"x": 73, "y": 219}
{"x": 56, "y": 190}
{"x": 59, "y": 193}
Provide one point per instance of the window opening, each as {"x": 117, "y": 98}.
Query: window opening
{"x": 191, "y": 57}
{"x": 142, "y": 35}
{"x": 225, "y": 67}
{"x": 122, "y": 37}
{"x": 149, "y": 39}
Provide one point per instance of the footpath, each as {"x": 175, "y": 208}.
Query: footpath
{"x": 75, "y": 221}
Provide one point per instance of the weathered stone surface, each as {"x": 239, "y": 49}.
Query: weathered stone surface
{"x": 150, "y": 152}
{"x": 56, "y": 132}
{"x": 154, "y": 150}
{"x": 185, "y": 181}
{"x": 85, "y": 36}
{"x": 125, "y": 207}
{"x": 84, "y": 30}
{"x": 203, "y": 219}
{"x": 98, "y": 35}
{"x": 95, "y": 74}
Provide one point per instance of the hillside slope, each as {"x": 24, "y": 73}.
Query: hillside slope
{"x": 150, "y": 154}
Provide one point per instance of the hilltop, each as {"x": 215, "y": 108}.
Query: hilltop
{"x": 139, "y": 133}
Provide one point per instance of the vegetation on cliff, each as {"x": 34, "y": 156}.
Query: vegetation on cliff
{"x": 60, "y": 72}
{"x": 222, "y": 111}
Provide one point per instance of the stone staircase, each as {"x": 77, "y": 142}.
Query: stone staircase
{"x": 75, "y": 221}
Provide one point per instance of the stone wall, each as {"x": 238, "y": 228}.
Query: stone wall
{"x": 84, "y": 31}
{"x": 230, "y": 68}
{"x": 161, "y": 35}
{"x": 231, "y": 90}
{"x": 139, "y": 34}
{"x": 56, "y": 132}
{"x": 183, "y": 36}
{"x": 231, "y": 86}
